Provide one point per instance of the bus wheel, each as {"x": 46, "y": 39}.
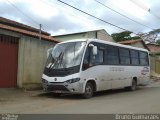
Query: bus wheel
{"x": 133, "y": 86}
{"x": 88, "y": 91}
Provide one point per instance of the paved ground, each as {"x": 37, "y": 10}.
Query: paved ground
{"x": 144, "y": 100}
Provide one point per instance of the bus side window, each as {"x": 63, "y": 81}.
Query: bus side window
{"x": 134, "y": 57}
{"x": 143, "y": 58}
{"x": 124, "y": 56}
{"x": 112, "y": 57}
{"x": 90, "y": 60}
{"x": 99, "y": 59}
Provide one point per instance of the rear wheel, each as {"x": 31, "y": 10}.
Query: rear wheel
{"x": 88, "y": 90}
{"x": 133, "y": 86}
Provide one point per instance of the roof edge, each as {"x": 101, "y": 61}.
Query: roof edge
{"x": 78, "y": 33}
{"x": 29, "y": 33}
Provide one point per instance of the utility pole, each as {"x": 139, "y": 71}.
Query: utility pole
{"x": 40, "y": 31}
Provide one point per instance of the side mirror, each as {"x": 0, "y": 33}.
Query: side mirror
{"x": 94, "y": 50}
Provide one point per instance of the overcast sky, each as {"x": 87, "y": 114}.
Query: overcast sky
{"x": 57, "y": 18}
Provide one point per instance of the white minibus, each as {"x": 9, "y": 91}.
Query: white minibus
{"x": 85, "y": 66}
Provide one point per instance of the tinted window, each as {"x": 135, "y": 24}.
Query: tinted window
{"x": 143, "y": 58}
{"x": 134, "y": 57}
{"x": 124, "y": 56}
{"x": 99, "y": 57}
{"x": 134, "y": 54}
{"x": 86, "y": 57}
{"x": 112, "y": 57}
{"x": 124, "y": 52}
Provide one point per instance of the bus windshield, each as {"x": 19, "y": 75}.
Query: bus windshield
{"x": 65, "y": 55}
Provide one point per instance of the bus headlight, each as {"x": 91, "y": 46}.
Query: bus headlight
{"x": 44, "y": 81}
{"x": 72, "y": 80}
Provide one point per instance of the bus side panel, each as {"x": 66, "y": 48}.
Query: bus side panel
{"x": 113, "y": 77}
{"x": 99, "y": 74}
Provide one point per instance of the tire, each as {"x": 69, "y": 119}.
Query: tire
{"x": 88, "y": 91}
{"x": 133, "y": 87}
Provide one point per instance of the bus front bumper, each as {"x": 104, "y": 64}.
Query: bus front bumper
{"x": 61, "y": 87}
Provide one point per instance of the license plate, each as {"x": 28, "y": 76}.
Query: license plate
{"x": 58, "y": 91}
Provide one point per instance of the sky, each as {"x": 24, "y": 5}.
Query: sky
{"x": 138, "y": 16}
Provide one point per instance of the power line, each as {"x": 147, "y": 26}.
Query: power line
{"x": 52, "y": 4}
{"x": 92, "y": 15}
{"x": 30, "y": 18}
{"x": 123, "y": 15}
{"x": 154, "y": 14}
{"x": 95, "y": 17}
{"x": 21, "y": 12}
{"x": 140, "y": 5}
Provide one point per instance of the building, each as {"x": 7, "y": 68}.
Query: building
{"x": 154, "y": 48}
{"x": 135, "y": 43}
{"x": 96, "y": 34}
{"x": 155, "y": 58}
{"x": 22, "y": 54}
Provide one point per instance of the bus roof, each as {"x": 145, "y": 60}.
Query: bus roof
{"x": 117, "y": 44}
{"x": 105, "y": 42}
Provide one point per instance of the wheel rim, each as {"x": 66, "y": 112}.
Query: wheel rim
{"x": 88, "y": 90}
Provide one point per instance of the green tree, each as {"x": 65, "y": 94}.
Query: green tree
{"x": 122, "y": 36}
{"x": 158, "y": 42}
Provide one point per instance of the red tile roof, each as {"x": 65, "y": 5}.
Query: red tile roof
{"x": 20, "y": 25}
{"x": 130, "y": 41}
{"x": 24, "y": 29}
{"x": 154, "y": 48}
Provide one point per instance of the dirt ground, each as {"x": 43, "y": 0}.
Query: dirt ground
{"x": 20, "y": 101}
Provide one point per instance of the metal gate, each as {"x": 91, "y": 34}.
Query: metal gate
{"x": 8, "y": 61}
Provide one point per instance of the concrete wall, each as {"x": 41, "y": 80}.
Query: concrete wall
{"x": 155, "y": 65}
{"x": 32, "y": 55}
{"x": 152, "y": 65}
{"x": 32, "y": 58}
{"x": 103, "y": 35}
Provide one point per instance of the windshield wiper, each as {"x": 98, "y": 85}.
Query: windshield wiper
{"x": 57, "y": 61}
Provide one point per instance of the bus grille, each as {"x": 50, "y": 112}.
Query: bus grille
{"x": 57, "y": 87}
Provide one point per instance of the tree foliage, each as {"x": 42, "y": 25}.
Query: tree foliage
{"x": 122, "y": 36}
{"x": 151, "y": 36}
{"x": 158, "y": 42}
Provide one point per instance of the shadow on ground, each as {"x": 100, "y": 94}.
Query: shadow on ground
{"x": 76, "y": 96}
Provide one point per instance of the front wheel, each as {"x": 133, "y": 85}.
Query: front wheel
{"x": 88, "y": 91}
